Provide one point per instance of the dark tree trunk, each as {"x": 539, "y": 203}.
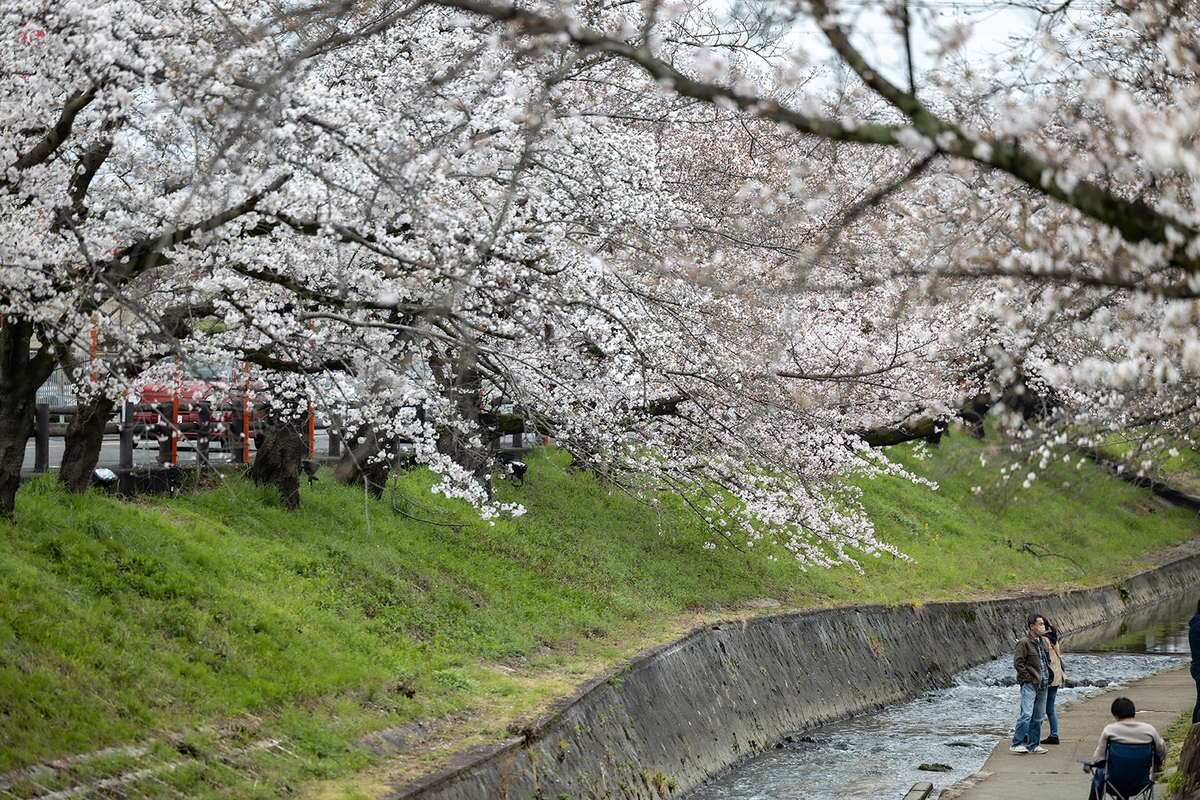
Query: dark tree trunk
{"x": 85, "y": 435}
{"x": 16, "y": 426}
{"x": 21, "y": 373}
{"x": 1189, "y": 766}
{"x": 360, "y": 464}
{"x": 277, "y": 461}
{"x": 926, "y": 429}
{"x": 464, "y": 390}
{"x": 973, "y": 413}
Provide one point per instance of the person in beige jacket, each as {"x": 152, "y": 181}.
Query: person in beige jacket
{"x": 1126, "y": 730}
{"x": 1055, "y": 656}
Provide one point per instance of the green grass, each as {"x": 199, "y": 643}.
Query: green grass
{"x": 1174, "y": 736}
{"x": 217, "y": 646}
{"x": 1163, "y": 459}
{"x": 979, "y": 534}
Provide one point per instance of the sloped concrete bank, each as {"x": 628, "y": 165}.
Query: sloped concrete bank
{"x": 681, "y": 713}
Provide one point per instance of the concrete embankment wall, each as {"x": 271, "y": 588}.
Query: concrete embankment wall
{"x": 681, "y": 713}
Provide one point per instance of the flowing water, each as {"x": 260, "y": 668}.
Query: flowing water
{"x": 879, "y": 755}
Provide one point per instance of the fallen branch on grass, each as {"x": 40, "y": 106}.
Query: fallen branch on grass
{"x": 1027, "y": 547}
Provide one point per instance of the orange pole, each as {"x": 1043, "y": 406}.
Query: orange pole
{"x": 312, "y": 433}
{"x": 175, "y": 419}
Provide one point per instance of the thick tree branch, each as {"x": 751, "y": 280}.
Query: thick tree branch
{"x": 89, "y": 164}
{"x": 56, "y": 135}
{"x": 144, "y": 254}
{"x": 176, "y": 321}
{"x": 264, "y": 359}
{"x": 313, "y": 227}
{"x": 307, "y": 293}
{"x": 536, "y": 24}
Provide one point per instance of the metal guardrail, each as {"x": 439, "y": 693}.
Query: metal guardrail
{"x": 168, "y": 430}
{"x": 234, "y": 436}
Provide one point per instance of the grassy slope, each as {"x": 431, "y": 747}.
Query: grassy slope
{"x": 216, "y": 624}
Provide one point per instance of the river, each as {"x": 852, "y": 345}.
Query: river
{"x": 879, "y": 755}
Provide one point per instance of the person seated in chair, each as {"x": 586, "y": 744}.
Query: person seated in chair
{"x": 1126, "y": 730}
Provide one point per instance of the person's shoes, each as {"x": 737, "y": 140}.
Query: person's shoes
{"x": 1037, "y": 748}
{"x": 1019, "y": 749}
{"x": 1050, "y": 740}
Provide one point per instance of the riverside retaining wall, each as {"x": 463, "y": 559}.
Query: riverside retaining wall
{"x": 676, "y": 715}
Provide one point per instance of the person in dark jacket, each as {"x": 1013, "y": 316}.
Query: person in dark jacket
{"x": 1194, "y": 644}
{"x": 1032, "y": 662}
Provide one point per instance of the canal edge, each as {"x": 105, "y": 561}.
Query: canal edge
{"x": 678, "y": 714}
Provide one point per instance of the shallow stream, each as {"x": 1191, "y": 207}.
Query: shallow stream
{"x": 879, "y": 755}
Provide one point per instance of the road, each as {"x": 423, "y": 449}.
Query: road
{"x": 110, "y": 453}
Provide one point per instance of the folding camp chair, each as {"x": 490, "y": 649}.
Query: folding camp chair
{"x": 1126, "y": 771}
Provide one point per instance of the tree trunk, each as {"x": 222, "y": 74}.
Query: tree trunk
{"x": 277, "y": 461}
{"x": 1189, "y": 766}
{"x": 21, "y": 373}
{"x": 465, "y": 391}
{"x": 16, "y": 426}
{"x": 359, "y": 463}
{"x": 85, "y": 435}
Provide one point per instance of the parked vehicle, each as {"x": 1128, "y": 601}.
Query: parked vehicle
{"x": 192, "y": 383}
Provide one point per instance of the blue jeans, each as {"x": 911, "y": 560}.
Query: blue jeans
{"x": 1051, "y": 693}
{"x": 1029, "y": 723}
{"x": 1196, "y": 710}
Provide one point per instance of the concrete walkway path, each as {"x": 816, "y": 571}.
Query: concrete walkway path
{"x": 1159, "y": 698}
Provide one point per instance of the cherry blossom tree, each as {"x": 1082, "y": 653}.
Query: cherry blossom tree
{"x": 574, "y": 284}
{"x": 1046, "y": 200}
{"x": 94, "y": 123}
{"x": 695, "y": 260}
{"x": 474, "y": 226}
